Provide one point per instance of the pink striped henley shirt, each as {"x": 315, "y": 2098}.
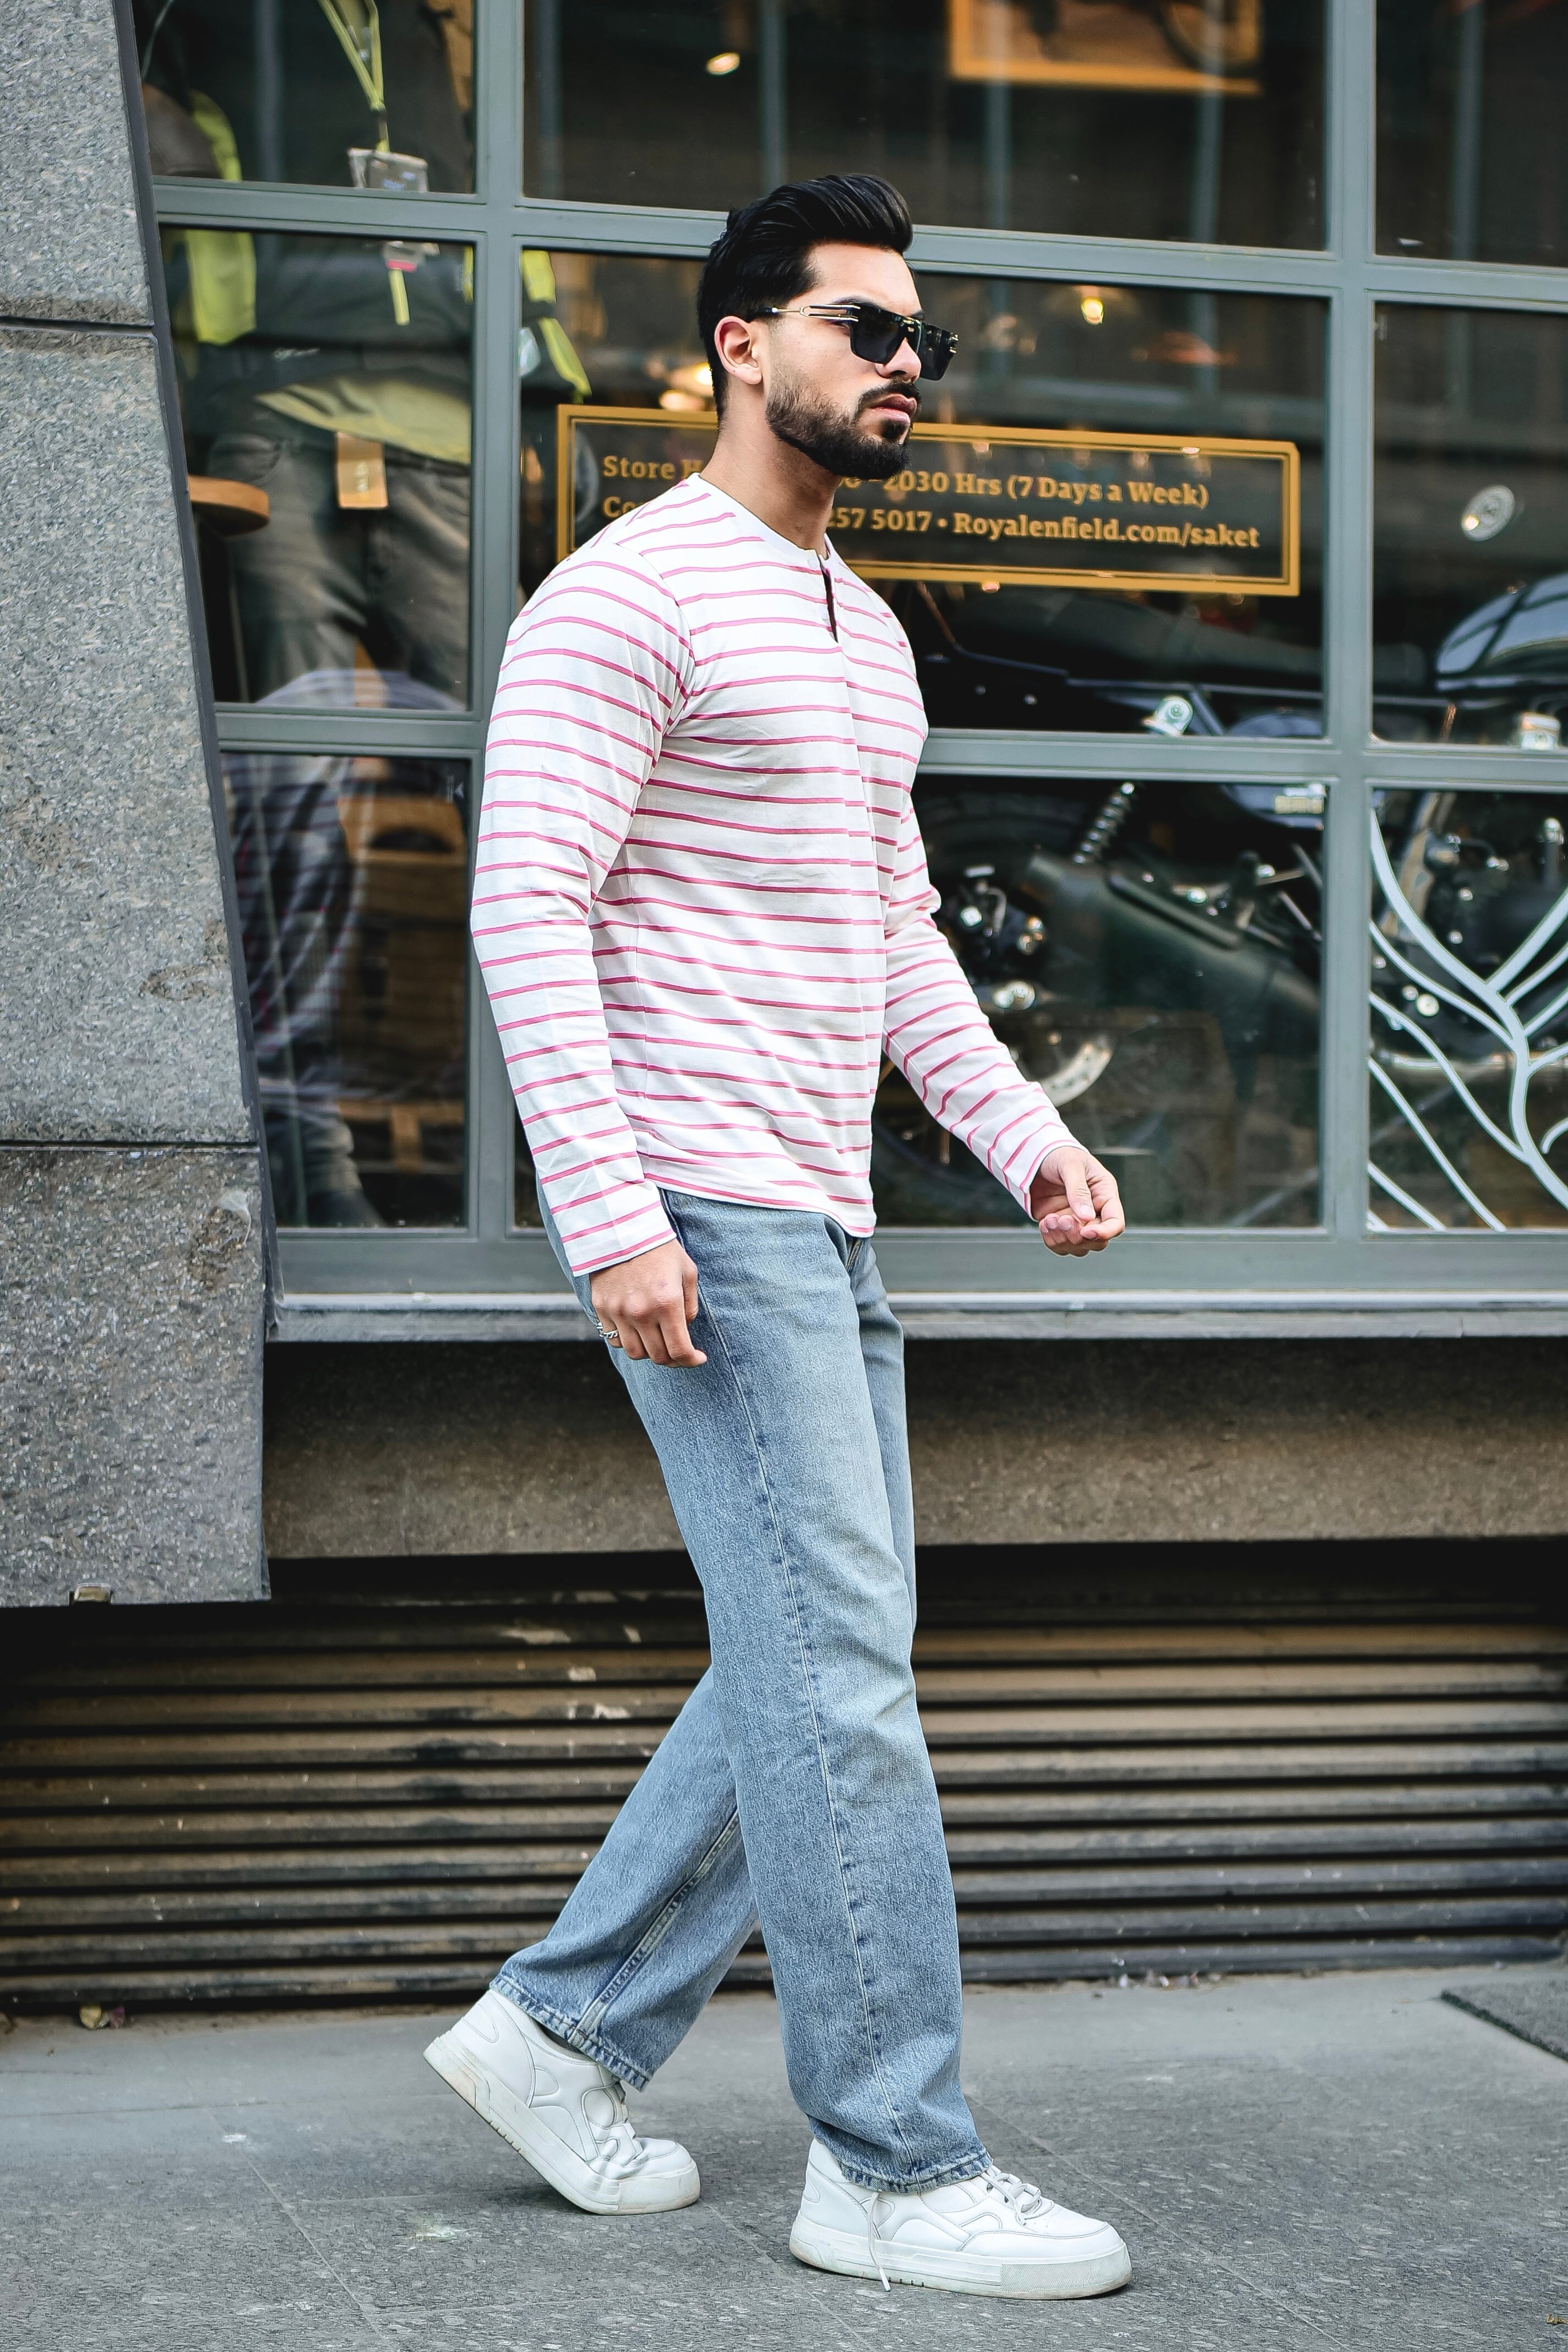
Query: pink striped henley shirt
{"x": 701, "y": 903}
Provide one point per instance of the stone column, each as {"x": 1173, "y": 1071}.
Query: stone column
{"x": 131, "y": 1197}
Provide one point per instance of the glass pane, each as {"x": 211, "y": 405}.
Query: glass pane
{"x": 310, "y": 89}
{"x": 324, "y": 385}
{"x": 525, "y": 1189}
{"x": 1469, "y": 1005}
{"x": 1204, "y": 412}
{"x": 1472, "y": 593}
{"x": 353, "y": 879}
{"x": 1198, "y": 119}
{"x": 612, "y": 331}
{"x": 1151, "y": 955}
{"x": 1469, "y": 104}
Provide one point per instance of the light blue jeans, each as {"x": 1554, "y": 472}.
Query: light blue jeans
{"x": 794, "y": 1787}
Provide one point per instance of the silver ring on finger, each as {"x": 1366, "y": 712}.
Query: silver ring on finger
{"x": 611, "y": 1337}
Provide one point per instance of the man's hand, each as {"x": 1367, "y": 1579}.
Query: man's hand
{"x": 1074, "y": 1202}
{"x": 648, "y": 1301}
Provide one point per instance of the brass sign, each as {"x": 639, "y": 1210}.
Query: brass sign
{"x": 992, "y": 502}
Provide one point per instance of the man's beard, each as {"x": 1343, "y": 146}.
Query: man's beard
{"x": 838, "y": 444}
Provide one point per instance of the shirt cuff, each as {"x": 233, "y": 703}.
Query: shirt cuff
{"x": 621, "y": 1223}
{"x": 1051, "y": 1138}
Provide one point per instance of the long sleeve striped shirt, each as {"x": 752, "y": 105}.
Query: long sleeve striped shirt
{"x": 700, "y": 900}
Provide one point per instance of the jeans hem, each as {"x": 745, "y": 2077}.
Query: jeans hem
{"x": 567, "y": 2029}
{"x": 937, "y": 2176}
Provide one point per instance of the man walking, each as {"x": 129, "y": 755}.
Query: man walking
{"x": 703, "y": 914}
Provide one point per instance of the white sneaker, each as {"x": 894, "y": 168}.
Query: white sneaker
{"x": 993, "y": 2235}
{"x": 563, "y": 2112}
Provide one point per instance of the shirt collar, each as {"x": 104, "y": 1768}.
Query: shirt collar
{"x": 786, "y": 549}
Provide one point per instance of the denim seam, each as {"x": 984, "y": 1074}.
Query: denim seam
{"x": 867, "y": 2007}
{"x": 943, "y": 2176}
{"x": 592, "y": 2016}
{"x": 566, "y": 2029}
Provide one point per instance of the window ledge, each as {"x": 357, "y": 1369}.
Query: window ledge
{"x": 980, "y": 1315}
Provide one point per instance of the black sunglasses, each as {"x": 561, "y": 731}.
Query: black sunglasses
{"x": 876, "y": 334}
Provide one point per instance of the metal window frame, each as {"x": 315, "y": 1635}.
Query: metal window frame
{"x": 491, "y": 1280}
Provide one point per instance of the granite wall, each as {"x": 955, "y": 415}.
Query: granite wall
{"x": 70, "y": 239}
{"x": 131, "y": 1202}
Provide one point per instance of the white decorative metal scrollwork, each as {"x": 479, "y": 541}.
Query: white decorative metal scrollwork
{"x": 1500, "y": 1005}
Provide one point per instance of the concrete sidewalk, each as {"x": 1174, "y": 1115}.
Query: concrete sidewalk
{"x": 1333, "y": 2161}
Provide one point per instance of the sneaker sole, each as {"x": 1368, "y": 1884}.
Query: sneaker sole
{"x": 1064, "y": 2282}
{"x": 539, "y": 2145}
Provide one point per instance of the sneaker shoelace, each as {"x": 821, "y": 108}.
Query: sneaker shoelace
{"x": 620, "y": 2149}
{"x": 871, "y": 2242}
{"x": 1026, "y": 2199}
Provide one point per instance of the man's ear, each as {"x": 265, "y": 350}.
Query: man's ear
{"x": 735, "y": 341}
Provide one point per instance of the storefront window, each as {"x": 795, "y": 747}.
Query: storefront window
{"x": 1140, "y": 549}
{"x": 1150, "y": 953}
{"x": 352, "y": 884}
{"x": 324, "y": 383}
{"x": 1469, "y": 129}
{"x": 1192, "y": 119}
{"x": 1471, "y": 588}
{"x": 1469, "y": 1001}
{"x": 1110, "y": 521}
{"x": 345, "y": 93}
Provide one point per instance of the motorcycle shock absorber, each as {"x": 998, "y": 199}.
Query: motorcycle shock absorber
{"x": 1106, "y": 826}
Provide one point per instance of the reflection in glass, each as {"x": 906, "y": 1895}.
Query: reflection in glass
{"x": 1151, "y": 955}
{"x": 1469, "y": 1001}
{"x": 1117, "y": 358}
{"x": 310, "y": 89}
{"x": 608, "y": 328}
{"x": 352, "y": 881}
{"x": 1193, "y": 119}
{"x": 1469, "y": 129}
{"x": 325, "y": 388}
{"x": 525, "y": 1187}
{"x": 1471, "y": 572}
{"x": 1105, "y": 357}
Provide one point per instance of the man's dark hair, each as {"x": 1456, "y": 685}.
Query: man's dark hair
{"x": 763, "y": 259}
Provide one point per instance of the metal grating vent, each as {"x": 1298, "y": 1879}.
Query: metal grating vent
{"x": 360, "y": 1793}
